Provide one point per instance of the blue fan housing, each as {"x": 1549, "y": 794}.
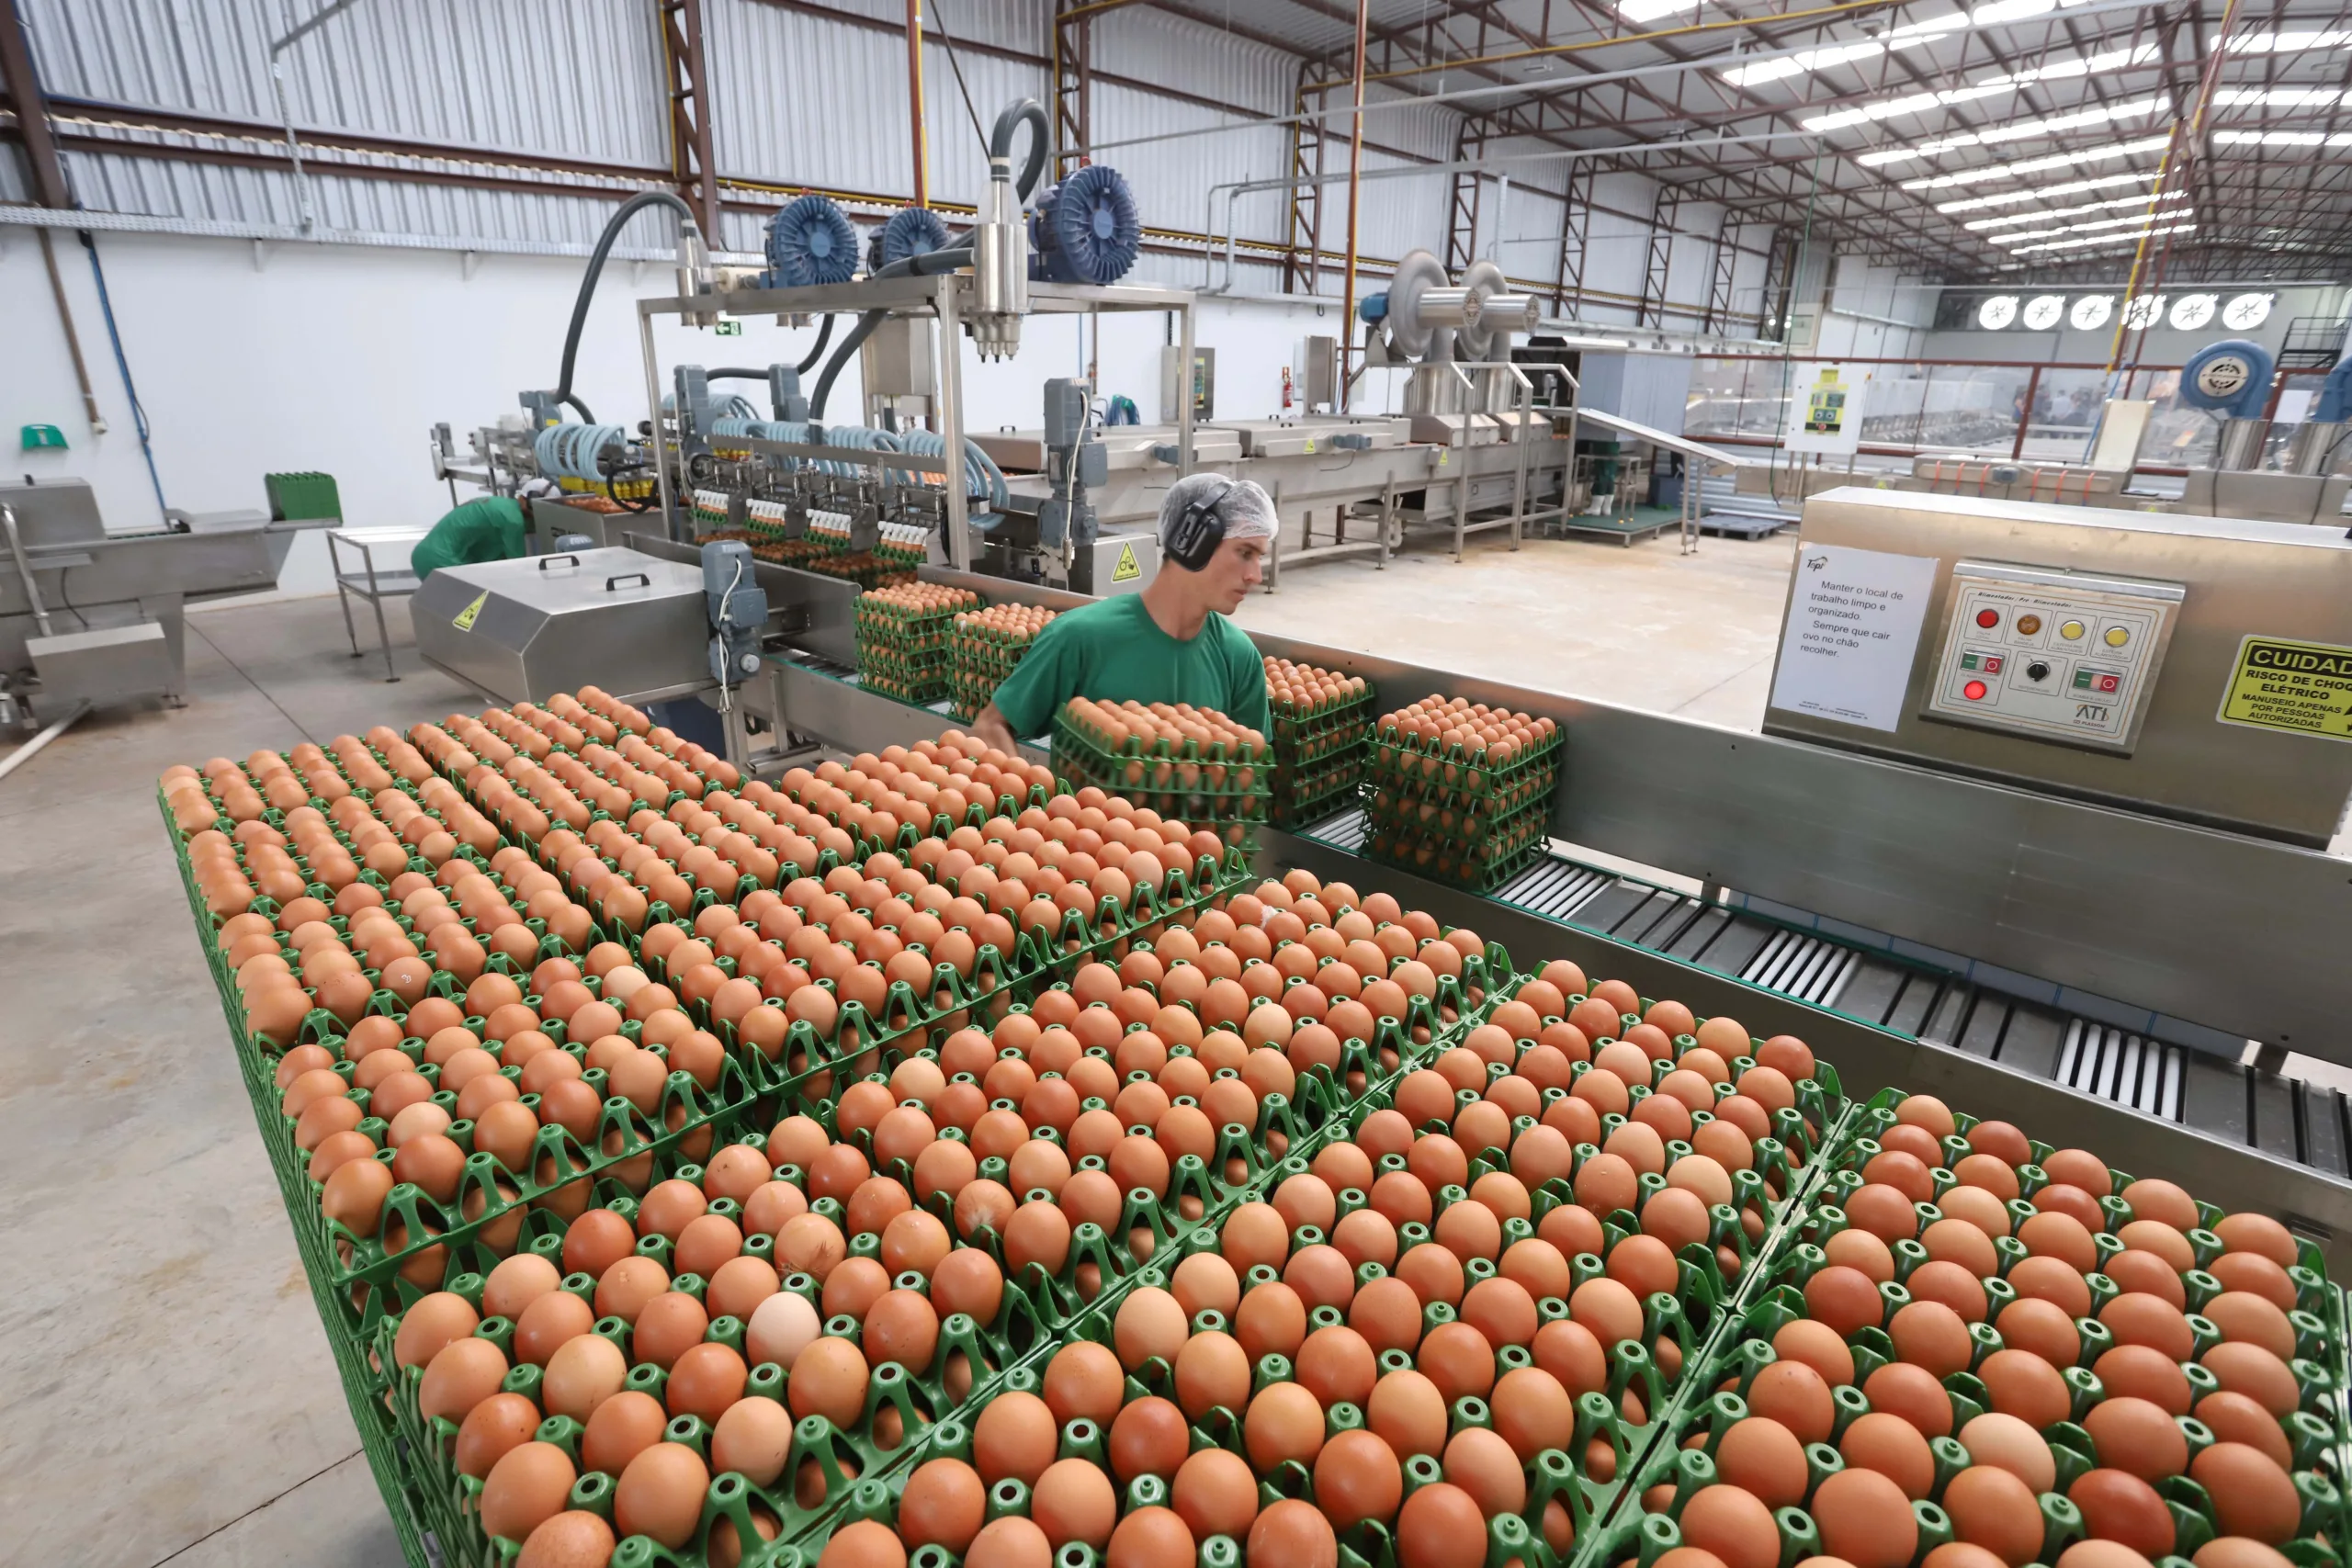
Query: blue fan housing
{"x": 810, "y": 242}
{"x": 911, "y": 231}
{"x": 1087, "y": 229}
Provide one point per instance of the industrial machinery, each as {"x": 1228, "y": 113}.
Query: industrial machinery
{"x": 90, "y": 618}
{"x": 2151, "y": 662}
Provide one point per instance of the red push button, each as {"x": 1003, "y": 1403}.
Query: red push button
{"x": 1988, "y": 619}
{"x": 2110, "y": 682}
{"x": 1974, "y": 690}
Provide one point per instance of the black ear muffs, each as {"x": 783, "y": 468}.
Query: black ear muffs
{"x": 1198, "y": 533}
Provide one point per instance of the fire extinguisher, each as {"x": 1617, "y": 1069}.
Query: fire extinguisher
{"x": 1286, "y": 387}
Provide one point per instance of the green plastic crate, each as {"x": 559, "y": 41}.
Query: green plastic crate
{"x": 296, "y": 497}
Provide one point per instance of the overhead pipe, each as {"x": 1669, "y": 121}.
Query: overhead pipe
{"x": 1355, "y": 189}
{"x": 286, "y": 110}
{"x": 914, "y": 100}
{"x": 1233, "y": 188}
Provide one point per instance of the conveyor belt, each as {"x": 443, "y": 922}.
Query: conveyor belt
{"x": 2192, "y": 1081}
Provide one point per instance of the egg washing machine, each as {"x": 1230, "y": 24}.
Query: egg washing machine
{"x": 2198, "y": 668}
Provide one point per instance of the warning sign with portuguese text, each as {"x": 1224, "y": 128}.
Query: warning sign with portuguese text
{"x": 2303, "y": 688}
{"x": 467, "y": 617}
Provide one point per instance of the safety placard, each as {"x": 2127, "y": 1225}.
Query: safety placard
{"x": 2303, "y": 688}
{"x": 466, "y": 617}
{"x": 1128, "y": 569}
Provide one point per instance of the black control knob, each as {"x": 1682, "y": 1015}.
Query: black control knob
{"x": 2036, "y": 671}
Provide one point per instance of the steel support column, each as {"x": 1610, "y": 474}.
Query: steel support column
{"x": 1780, "y": 280}
{"x": 1719, "y": 289}
{"x": 1462, "y": 219}
{"x": 1576, "y": 228}
{"x": 691, "y": 164}
{"x": 914, "y": 102}
{"x": 1303, "y": 260}
{"x": 1651, "y": 309}
{"x": 31, "y": 109}
{"x": 1356, "y": 191}
{"x": 1073, "y": 83}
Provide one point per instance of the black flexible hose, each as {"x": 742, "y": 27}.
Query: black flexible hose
{"x": 1008, "y": 123}
{"x": 613, "y": 226}
{"x": 824, "y": 335}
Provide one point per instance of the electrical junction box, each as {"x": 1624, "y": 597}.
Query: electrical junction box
{"x": 2051, "y": 655}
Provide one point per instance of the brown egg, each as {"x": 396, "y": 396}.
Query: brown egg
{"x": 499, "y": 1424}
{"x": 1531, "y": 1411}
{"x": 1357, "y": 1478}
{"x": 547, "y": 1323}
{"x": 430, "y": 1324}
{"x": 1992, "y": 1509}
{"x": 1844, "y": 1299}
{"x": 2135, "y": 1437}
{"x": 2258, "y": 1233}
{"x": 1283, "y": 1423}
{"x": 666, "y": 1327}
{"x": 584, "y": 1373}
{"x": 1405, "y": 1412}
{"x": 2122, "y": 1508}
{"x": 2234, "y": 1417}
{"x": 2136, "y": 1317}
{"x": 1732, "y": 1524}
{"x": 1893, "y": 1447}
{"x": 1009, "y": 1542}
{"x": 1151, "y": 1325}
{"x": 1151, "y": 1537}
{"x": 707, "y": 1380}
{"x": 754, "y": 1437}
{"x": 1214, "y": 1494}
{"x": 2006, "y": 1442}
{"x": 461, "y": 1374}
{"x": 1930, "y": 1334}
{"x": 660, "y": 1495}
{"x": 829, "y": 1377}
{"x": 2252, "y": 1496}
{"x": 2237, "y": 1552}
{"x": 1797, "y": 1397}
{"x": 2024, "y": 1385}
{"x": 1015, "y": 1437}
{"x": 622, "y": 1427}
{"x": 2244, "y": 1317}
{"x": 1074, "y": 1501}
{"x": 526, "y": 1487}
{"x": 868, "y": 1543}
{"x": 1761, "y": 1456}
{"x": 1901, "y": 1388}
{"x": 2100, "y": 1554}
{"x": 1295, "y": 1534}
{"x": 2039, "y": 1327}
{"x": 1865, "y": 1519}
{"x": 2139, "y": 1373}
{"x": 944, "y": 1505}
{"x": 1816, "y": 1345}
{"x": 1439, "y": 1527}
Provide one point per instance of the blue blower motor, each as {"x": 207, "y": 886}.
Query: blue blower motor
{"x": 2230, "y": 377}
{"x": 1086, "y": 228}
{"x": 810, "y": 242}
{"x": 911, "y": 231}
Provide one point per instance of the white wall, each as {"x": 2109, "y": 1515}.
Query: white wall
{"x": 341, "y": 358}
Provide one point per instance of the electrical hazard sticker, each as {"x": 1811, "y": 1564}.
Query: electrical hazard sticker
{"x": 467, "y": 617}
{"x": 1128, "y": 569}
{"x": 2303, "y": 688}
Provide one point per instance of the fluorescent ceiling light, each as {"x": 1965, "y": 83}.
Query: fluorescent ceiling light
{"x": 1910, "y": 35}
{"x": 2136, "y": 221}
{"x": 1797, "y": 64}
{"x": 2036, "y": 165}
{"x": 2282, "y": 138}
{"x": 2281, "y": 98}
{"x": 1651, "y": 10}
{"x": 2019, "y": 130}
{"x": 2286, "y": 43}
{"x": 1922, "y": 103}
{"x": 2012, "y": 219}
{"x": 2100, "y": 239}
{"x": 2070, "y": 188}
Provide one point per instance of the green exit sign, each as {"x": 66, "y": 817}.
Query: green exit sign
{"x": 728, "y": 329}
{"x": 43, "y": 438}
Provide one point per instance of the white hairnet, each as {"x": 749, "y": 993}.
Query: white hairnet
{"x": 1248, "y": 510}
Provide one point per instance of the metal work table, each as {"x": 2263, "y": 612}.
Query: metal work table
{"x": 368, "y": 583}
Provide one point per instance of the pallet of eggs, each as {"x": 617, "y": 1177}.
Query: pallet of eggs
{"x": 1976, "y": 1350}
{"x": 1322, "y": 730}
{"x": 1395, "y": 1355}
{"x": 985, "y": 647}
{"x": 902, "y": 637}
{"x": 1460, "y": 791}
{"x": 1173, "y": 758}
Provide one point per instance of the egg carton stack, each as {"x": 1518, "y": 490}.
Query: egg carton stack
{"x": 902, "y": 638}
{"x": 984, "y": 648}
{"x": 1437, "y": 1334}
{"x": 1972, "y": 1348}
{"x": 867, "y": 569}
{"x": 1460, "y": 791}
{"x": 708, "y": 508}
{"x": 1171, "y": 757}
{"x": 767, "y": 521}
{"x": 1322, "y": 731}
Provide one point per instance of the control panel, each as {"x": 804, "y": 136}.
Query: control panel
{"x": 2054, "y": 656}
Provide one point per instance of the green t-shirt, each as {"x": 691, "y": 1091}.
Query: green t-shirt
{"x": 1113, "y": 653}
{"x": 489, "y": 529}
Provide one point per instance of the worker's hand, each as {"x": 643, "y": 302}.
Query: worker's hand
{"x": 990, "y": 726}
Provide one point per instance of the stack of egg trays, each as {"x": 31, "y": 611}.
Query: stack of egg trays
{"x": 1319, "y": 757}
{"x": 1772, "y": 1295}
{"x": 1149, "y": 778}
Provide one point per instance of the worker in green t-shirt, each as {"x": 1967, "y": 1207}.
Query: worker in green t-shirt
{"x": 491, "y": 528}
{"x": 1170, "y": 643}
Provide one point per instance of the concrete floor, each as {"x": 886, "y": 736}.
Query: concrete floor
{"x": 165, "y": 1390}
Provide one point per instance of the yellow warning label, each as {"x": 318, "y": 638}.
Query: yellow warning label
{"x": 1128, "y": 569}
{"x": 1310, "y": 446}
{"x": 2304, "y": 688}
{"x": 465, "y": 621}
